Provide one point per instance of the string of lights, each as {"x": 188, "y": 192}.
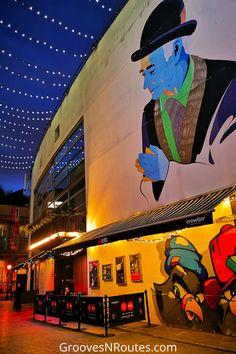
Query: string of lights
{"x": 16, "y": 140}
{"x": 24, "y": 110}
{"x": 39, "y": 41}
{"x": 29, "y": 94}
{"x": 25, "y": 118}
{"x": 40, "y": 35}
{"x": 13, "y": 129}
{"x": 24, "y": 76}
{"x": 228, "y": 200}
{"x": 73, "y": 162}
{"x": 34, "y": 66}
{"x": 71, "y": 253}
{"x": 103, "y": 6}
{"x": 159, "y": 239}
{"x": 18, "y": 124}
{"x": 15, "y": 167}
{"x": 16, "y": 162}
{"x": 57, "y": 22}
{"x": 9, "y": 146}
{"x": 16, "y": 157}
{"x": 14, "y": 147}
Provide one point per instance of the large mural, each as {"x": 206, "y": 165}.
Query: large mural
{"x": 191, "y": 299}
{"x": 191, "y": 114}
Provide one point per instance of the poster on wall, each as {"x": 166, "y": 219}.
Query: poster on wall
{"x": 107, "y": 272}
{"x": 135, "y": 267}
{"x": 94, "y": 274}
{"x": 120, "y": 271}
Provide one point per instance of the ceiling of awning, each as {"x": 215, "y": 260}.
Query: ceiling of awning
{"x": 190, "y": 212}
{"x": 43, "y": 46}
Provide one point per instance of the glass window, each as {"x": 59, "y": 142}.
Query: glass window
{"x": 67, "y": 167}
{"x": 3, "y": 237}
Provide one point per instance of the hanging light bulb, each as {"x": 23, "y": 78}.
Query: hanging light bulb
{"x": 37, "y": 41}
{"x": 59, "y": 23}
{"x": 29, "y": 95}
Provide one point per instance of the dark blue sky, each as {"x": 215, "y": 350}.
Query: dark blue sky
{"x": 43, "y": 45}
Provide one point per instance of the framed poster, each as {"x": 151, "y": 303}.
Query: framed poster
{"x": 135, "y": 267}
{"x": 120, "y": 271}
{"x": 107, "y": 272}
{"x": 94, "y": 274}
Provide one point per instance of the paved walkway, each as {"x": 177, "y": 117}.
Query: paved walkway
{"x": 21, "y": 335}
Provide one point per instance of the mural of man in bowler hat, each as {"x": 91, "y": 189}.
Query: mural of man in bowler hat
{"x": 187, "y": 91}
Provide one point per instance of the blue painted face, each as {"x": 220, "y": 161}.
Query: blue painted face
{"x": 159, "y": 74}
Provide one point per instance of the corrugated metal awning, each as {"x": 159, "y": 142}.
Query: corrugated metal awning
{"x": 19, "y": 266}
{"x": 189, "y": 212}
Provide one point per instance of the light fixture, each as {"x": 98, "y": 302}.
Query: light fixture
{"x": 53, "y": 237}
{"x": 71, "y": 253}
{"x": 53, "y": 205}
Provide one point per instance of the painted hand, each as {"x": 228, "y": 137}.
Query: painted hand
{"x": 153, "y": 164}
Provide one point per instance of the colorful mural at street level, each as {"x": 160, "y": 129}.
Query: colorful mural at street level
{"x": 191, "y": 299}
{"x": 191, "y": 115}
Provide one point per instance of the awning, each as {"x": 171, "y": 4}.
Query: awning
{"x": 185, "y": 213}
{"x": 19, "y": 266}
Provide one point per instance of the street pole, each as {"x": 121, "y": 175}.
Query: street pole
{"x": 9, "y": 268}
{"x": 7, "y": 297}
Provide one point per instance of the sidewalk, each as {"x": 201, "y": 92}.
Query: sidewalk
{"x": 198, "y": 338}
{"x": 20, "y": 334}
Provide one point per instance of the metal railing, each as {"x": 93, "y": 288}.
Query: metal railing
{"x": 103, "y": 311}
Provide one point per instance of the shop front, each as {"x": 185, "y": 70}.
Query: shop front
{"x": 40, "y": 272}
{"x": 45, "y": 274}
{"x": 71, "y": 272}
{"x": 187, "y": 265}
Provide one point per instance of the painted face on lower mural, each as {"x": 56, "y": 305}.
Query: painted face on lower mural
{"x": 158, "y": 73}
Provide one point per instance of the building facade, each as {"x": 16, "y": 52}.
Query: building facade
{"x": 57, "y": 213}
{"x": 149, "y": 153}
{"x": 14, "y": 242}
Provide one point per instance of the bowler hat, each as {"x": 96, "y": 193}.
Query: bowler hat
{"x": 165, "y": 23}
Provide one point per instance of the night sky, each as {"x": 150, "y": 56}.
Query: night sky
{"x": 43, "y": 46}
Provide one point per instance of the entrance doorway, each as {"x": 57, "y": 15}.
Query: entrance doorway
{"x": 64, "y": 275}
{"x": 80, "y": 274}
